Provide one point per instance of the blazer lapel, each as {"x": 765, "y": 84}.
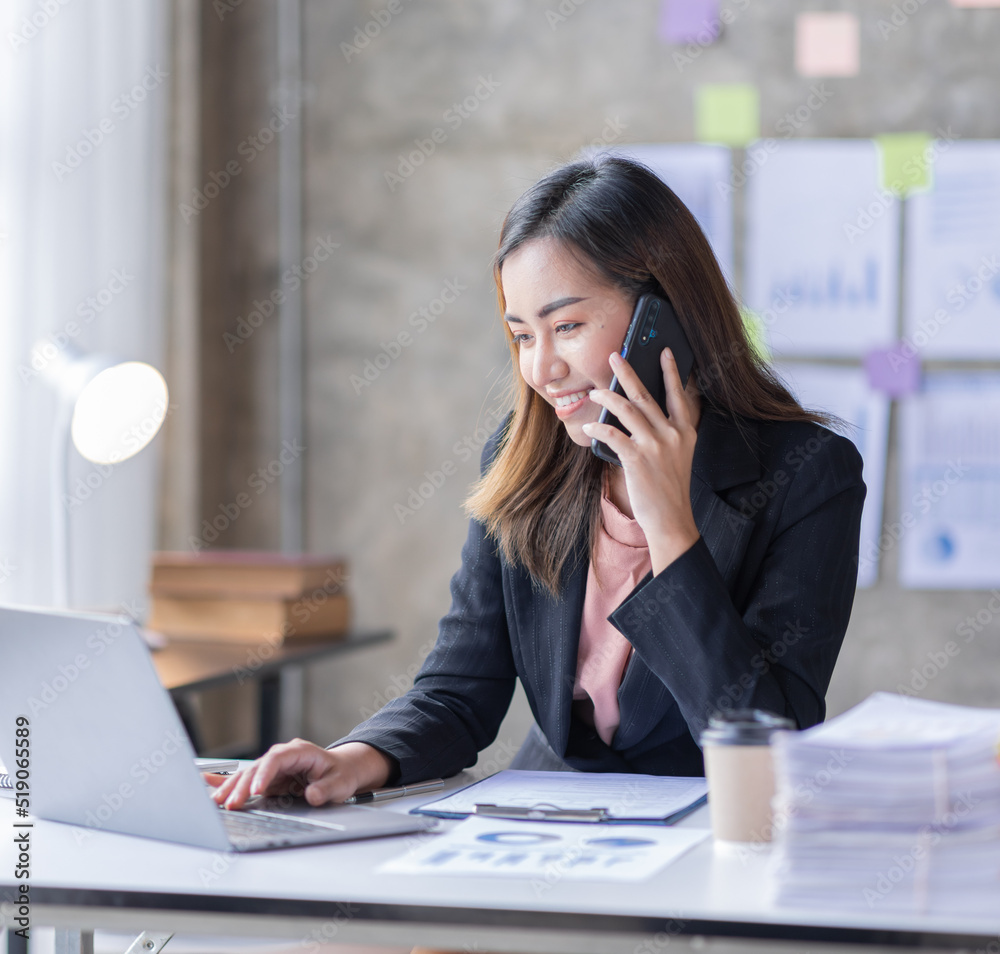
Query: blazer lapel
{"x": 548, "y": 643}
{"x": 723, "y": 458}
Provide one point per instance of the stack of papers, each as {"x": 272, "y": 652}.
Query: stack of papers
{"x": 892, "y": 806}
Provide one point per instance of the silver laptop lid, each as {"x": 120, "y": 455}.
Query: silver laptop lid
{"x": 108, "y": 750}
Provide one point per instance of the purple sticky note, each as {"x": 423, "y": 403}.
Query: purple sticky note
{"x": 894, "y": 371}
{"x": 689, "y": 21}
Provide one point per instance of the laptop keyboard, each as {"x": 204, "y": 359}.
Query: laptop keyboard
{"x": 250, "y": 830}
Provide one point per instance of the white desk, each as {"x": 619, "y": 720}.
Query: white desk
{"x": 329, "y": 894}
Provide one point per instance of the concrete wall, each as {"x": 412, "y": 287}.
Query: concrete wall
{"x": 542, "y": 87}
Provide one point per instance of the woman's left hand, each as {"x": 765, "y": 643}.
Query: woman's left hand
{"x": 656, "y": 459}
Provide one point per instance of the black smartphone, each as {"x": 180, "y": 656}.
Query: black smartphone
{"x": 654, "y": 326}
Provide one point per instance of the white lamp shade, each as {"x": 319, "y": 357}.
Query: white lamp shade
{"x": 119, "y": 412}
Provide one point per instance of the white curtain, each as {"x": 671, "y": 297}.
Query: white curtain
{"x": 84, "y": 98}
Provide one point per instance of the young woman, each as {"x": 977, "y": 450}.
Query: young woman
{"x": 714, "y": 569}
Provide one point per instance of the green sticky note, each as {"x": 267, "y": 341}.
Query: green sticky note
{"x": 728, "y": 113}
{"x": 753, "y": 324}
{"x": 906, "y": 162}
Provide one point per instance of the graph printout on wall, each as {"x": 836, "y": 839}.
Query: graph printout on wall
{"x": 845, "y": 392}
{"x": 949, "y": 523}
{"x": 822, "y": 248}
{"x": 952, "y": 299}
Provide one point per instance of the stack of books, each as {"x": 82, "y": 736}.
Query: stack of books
{"x": 248, "y": 596}
{"x": 893, "y": 806}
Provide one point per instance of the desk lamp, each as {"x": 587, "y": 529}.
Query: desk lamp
{"x": 111, "y": 409}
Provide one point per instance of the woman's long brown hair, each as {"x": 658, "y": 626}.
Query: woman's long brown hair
{"x": 541, "y": 495}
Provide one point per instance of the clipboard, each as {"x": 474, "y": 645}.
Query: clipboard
{"x": 596, "y": 798}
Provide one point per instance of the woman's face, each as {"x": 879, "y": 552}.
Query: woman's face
{"x": 566, "y": 322}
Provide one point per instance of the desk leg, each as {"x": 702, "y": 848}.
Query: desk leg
{"x": 74, "y": 942}
{"x": 15, "y": 944}
{"x": 281, "y": 701}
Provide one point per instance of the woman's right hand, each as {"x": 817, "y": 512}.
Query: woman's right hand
{"x": 300, "y": 767}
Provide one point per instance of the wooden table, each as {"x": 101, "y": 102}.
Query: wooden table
{"x": 186, "y": 667}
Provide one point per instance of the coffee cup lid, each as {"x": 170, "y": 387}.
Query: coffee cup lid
{"x": 743, "y": 727}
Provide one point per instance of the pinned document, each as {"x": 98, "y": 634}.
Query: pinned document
{"x": 728, "y": 113}
{"x": 822, "y": 249}
{"x": 952, "y": 274}
{"x": 949, "y": 527}
{"x": 845, "y": 392}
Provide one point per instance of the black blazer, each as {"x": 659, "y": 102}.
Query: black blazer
{"x": 752, "y": 615}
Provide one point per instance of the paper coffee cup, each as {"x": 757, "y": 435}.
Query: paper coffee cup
{"x": 740, "y": 773}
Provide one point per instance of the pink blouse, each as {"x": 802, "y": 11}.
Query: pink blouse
{"x": 621, "y": 561}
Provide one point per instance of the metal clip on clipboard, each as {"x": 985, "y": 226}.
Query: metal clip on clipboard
{"x": 543, "y": 813}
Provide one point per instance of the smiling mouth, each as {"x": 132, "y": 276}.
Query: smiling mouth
{"x": 568, "y": 399}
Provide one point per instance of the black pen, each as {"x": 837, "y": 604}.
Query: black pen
{"x": 383, "y": 794}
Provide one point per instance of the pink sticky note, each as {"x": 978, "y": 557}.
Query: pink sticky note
{"x": 894, "y": 371}
{"x": 975, "y": 3}
{"x": 689, "y": 21}
{"x": 827, "y": 44}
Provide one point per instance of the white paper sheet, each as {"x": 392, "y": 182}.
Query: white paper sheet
{"x": 950, "y": 483}
{"x": 845, "y": 393}
{"x": 822, "y": 249}
{"x": 695, "y": 172}
{"x": 621, "y": 795}
{"x": 953, "y": 255}
{"x": 547, "y": 852}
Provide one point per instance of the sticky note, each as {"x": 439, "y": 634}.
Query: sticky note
{"x": 827, "y": 44}
{"x": 894, "y": 371}
{"x": 689, "y": 21}
{"x": 728, "y": 113}
{"x": 753, "y": 324}
{"x": 906, "y": 162}
{"x": 975, "y": 3}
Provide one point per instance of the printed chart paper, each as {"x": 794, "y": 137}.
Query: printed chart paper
{"x": 845, "y": 392}
{"x": 952, "y": 300}
{"x": 950, "y": 483}
{"x": 694, "y": 171}
{"x": 822, "y": 249}
{"x": 545, "y": 853}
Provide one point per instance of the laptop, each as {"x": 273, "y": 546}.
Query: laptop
{"x": 108, "y": 750}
